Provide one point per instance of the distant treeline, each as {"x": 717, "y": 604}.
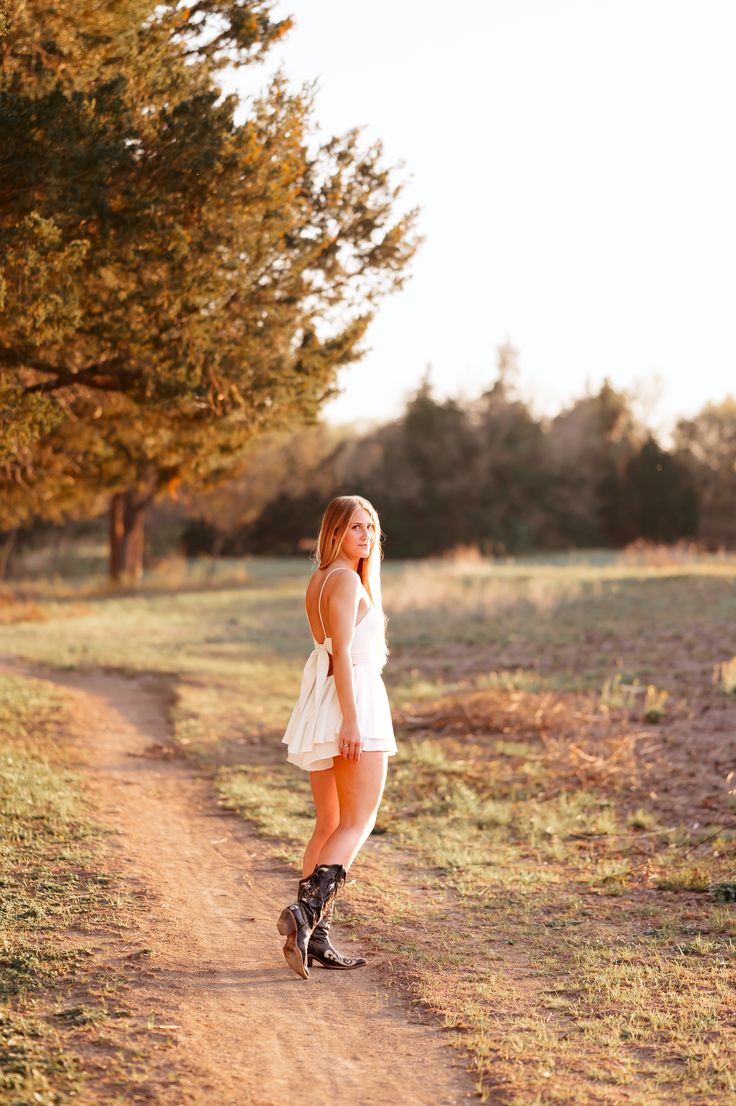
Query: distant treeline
{"x": 487, "y": 473}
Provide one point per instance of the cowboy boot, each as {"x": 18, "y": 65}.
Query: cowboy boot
{"x": 322, "y": 950}
{"x": 297, "y": 922}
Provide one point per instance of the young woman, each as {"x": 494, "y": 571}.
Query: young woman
{"x": 340, "y": 730}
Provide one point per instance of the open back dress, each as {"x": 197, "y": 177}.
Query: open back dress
{"x": 312, "y": 734}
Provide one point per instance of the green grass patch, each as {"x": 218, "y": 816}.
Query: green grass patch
{"x": 276, "y": 802}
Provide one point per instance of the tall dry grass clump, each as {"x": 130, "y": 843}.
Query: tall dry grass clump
{"x": 660, "y": 555}
{"x": 471, "y": 587}
{"x": 578, "y": 745}
{"x": 724, "y": 676}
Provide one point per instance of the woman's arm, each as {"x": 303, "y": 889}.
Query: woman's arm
{"x": 343, "y": 600}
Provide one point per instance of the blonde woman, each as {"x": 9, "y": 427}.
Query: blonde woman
{"x": 340, "y": 730}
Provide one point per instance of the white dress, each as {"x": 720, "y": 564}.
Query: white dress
{"x": 312, "y": 734}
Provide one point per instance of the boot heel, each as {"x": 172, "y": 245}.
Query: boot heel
{"x": 310, "y": 960}
{"x": 286, "y": 924}
{"x": 294, "y": 958}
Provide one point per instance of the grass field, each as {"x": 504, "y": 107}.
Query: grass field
{"x": 64, "y": 1033}
{"x": 554, "y": 859}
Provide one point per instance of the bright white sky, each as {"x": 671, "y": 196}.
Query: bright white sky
{"x": 574, "y": 161}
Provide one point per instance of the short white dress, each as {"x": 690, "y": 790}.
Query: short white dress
{"x": 312, "y": 734}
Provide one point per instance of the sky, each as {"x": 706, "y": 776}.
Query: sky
{"x": 575, "y": 168}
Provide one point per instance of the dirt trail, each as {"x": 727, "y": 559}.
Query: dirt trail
{"x": 249, "y": 1032}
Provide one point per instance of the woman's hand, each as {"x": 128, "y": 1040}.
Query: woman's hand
{"x": 350, "y": 741}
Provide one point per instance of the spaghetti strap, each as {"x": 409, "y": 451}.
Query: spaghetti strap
{"x": 319, "y": 599}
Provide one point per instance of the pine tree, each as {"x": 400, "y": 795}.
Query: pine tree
{"x": 174, "y": 282}
{"x": 706, "y": 443}
{"x": 659, "y": 495}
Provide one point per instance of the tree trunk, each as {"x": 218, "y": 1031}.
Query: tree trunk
{"x": 117, "y": 537}
{"x": 127, "y": 535}
{"x": 135, "y": 520}
{"x": 217, "y": 543}
{"x": 7, "y": 541}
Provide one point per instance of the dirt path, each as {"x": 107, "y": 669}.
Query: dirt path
{"x": 247, "y": 1032}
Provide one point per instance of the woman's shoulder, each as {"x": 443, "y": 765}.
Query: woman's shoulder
{"x": 342, "y": 580}
{"x": 342, "y": 577}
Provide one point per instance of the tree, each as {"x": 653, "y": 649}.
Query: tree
{"x": 510, "y": 475}
{"x": 707, "y": 444}
{"x": 659, "y": 496}
{"x": 588, "y": 447}
{"x": 281, "y": 468}
{"x": 418, "y": 471}
{"x": 174, "y": 283}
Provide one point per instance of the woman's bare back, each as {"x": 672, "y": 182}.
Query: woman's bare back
{"x": 317, "y": 600}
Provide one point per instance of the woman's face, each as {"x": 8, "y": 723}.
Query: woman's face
{"x": 360, "y": 535}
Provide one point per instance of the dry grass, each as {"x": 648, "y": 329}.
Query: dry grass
{"x": 527, "y": 905}
{"x": 724, "y": 676}
{"x": 48, "y": 885}
{"x": 474, "y": 592}
{"x": 552, "y": 901}
{"x": 658, "y": 554}
{"x": 545, "y": 871}
{"x": 70, "y": 1031}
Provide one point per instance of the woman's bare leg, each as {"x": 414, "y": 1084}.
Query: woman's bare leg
{"x": 359, "y": 785}
{"x": 327, "y": 811}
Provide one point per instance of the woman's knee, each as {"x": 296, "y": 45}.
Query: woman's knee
{"x": 326, "y": 824}
{"x": 358, "y": 822}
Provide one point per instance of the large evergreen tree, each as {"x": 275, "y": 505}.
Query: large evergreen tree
{"x": 173, "y": 282}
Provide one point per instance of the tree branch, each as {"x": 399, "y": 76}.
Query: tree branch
{"x": 108, "y": 375}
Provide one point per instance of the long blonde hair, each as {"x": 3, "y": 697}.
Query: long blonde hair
{"x": 334, "y": 527}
